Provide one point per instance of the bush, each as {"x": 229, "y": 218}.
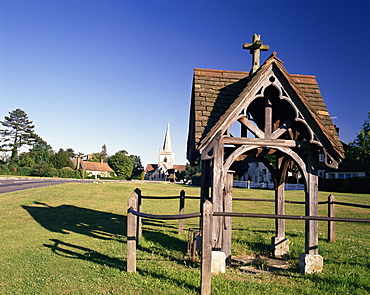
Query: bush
{"x": 67, "y": 172}
{"x": 4, "y": 169}
{"x": 44, "y": 170}
{"x": 23, "y": 171}
{"x": 347, "y": 185}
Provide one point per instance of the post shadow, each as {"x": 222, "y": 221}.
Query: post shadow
{"x": 68, "y": 218}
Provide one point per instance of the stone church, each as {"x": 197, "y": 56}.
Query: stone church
{"x": 165, "y": 170}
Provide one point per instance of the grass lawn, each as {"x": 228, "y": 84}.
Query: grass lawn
{"x": 70, "y": 239}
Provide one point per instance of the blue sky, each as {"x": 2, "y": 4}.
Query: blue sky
{"x": 115, "y": 72}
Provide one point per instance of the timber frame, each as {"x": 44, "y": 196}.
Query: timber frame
{"x": 282, "y": 121}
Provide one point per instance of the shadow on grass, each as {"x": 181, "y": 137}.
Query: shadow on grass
{"x": 162, "y": 240}
{"x": 68, "y": 218}
{"x": 68, "y": 250}
{"x": 72, "y": 251}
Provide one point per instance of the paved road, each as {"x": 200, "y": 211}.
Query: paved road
{"x": 11, "y": 184}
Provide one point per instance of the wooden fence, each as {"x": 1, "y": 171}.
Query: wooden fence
{"x": 182, "y": 196}
{"x": 134, "y": 226}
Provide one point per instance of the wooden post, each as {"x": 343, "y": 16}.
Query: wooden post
{"x": 217, "y": 195}
{"x": 331, "y": 213}
{"x": 280, "y": 209}
{"x": 205, "y": 185}
{"x": 205, "y": 275}
{"x": 228, "y": 207}
{"x": 181, "y": 211}
{"x": 139, "y": 219}
{"x": 312, "y": 226}
{"x": 131, "y": 233}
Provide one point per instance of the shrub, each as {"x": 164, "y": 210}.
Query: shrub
{"x": 23, "y": 171}
{"x": 347, "y": 185}
{"x": 67, "y": 172}
{"x": 44, "y": 170}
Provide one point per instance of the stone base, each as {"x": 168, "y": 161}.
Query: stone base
{"x": 310, "y": 264}
{"x": 280, "y": 246}
{"x": 218, "y": 262}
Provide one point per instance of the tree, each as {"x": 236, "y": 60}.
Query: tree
{"x": 41, "y": 151}
{"x": 61, "y": 159}
{"x": 359, "y": 149}
{"x": 104, "y": 153}
{"x": 138, "y": 169}
{"x": 71, "y": 153}
{"x": 121, "y": 164}
{"x": 193, "y": 172}
{"x": 18, "y": 132}
{"x": 95, "y": 157}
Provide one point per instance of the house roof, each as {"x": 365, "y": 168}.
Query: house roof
{"x": 179, "y": 167}
{"x": 152, "y": 167}
{"x": 216, "y": 93}
{"x": 94, "y": 166}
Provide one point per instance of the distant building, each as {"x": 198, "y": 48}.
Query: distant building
{"x": 347, "y": 169}
{"x": 97, "y": 169}
{"x": 165, "y": 170}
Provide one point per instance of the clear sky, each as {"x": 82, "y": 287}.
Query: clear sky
{"x": 114, "y": 72}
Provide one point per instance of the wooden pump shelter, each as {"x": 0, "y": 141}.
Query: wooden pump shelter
{"x": 277, "y": 116}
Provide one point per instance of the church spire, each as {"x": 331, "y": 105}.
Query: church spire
{"x": 166, "y": 157}
{"x": 167, "y": 140}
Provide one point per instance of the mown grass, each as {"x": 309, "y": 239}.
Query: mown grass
{"x": 70, "y": 239}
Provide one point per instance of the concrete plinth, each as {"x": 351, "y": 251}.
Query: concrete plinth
{"x": 218, "y": 262}
{"x": 280, "y": 246}
{"x": 310, "y": 264}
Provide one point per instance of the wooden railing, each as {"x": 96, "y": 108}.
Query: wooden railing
{"x": 134, "y": 226}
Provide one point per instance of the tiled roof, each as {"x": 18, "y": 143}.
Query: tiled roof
{"x": 94, "y": 166}
{"x": 214, "y": 92}
{"x": 179, "y": 167}
{"x": 151, "y": 167}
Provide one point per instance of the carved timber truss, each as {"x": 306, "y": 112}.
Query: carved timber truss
{"x": 268, "y": 116}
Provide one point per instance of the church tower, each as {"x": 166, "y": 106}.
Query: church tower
{"x": 166, "y": 157}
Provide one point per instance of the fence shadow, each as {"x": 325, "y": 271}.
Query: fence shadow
{"x": 72, "y": 251}
{"x": 68, "y": 218}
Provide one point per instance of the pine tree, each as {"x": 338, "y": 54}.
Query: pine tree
{"x": 104, "y": 153}
{"x": 359, "y": 149}
{"x": 18, "y": 132}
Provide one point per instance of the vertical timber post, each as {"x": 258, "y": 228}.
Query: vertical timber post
{"x": 205, "y": 275}
{"x": 331, "y": 213}
{"x": 279, "y": 243}
{"x": 217, "y": 196}
{"x": 310, "y": 261}
{"x": 226, "y": 239}
{"x": 181, "y": 211}
{"x": 131, "y": 233}
{"x": 139, "y": 209}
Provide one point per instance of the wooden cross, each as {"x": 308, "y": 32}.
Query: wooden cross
{"x": 255, "y": 48}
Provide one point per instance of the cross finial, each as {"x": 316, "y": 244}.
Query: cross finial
{"x": 255, "y": 48}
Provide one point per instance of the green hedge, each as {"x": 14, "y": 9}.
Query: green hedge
{"x": 348, "y": 185}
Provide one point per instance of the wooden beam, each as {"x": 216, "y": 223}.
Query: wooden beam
{"x": 264, "y": 142}
{"x": 281, "y": 130}
{"x": 268, "y": 118}
{"x": 251, "y": 127}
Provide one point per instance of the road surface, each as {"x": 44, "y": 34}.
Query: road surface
{"x": 11, "y": 184}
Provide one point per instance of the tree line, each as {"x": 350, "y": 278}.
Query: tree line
{"x": 42, "y": 160}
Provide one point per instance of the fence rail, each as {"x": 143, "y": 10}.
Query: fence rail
{"x": 182, "y": 197}
{"x": 167, "y": 217}
{"x": 134, "y": 226}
